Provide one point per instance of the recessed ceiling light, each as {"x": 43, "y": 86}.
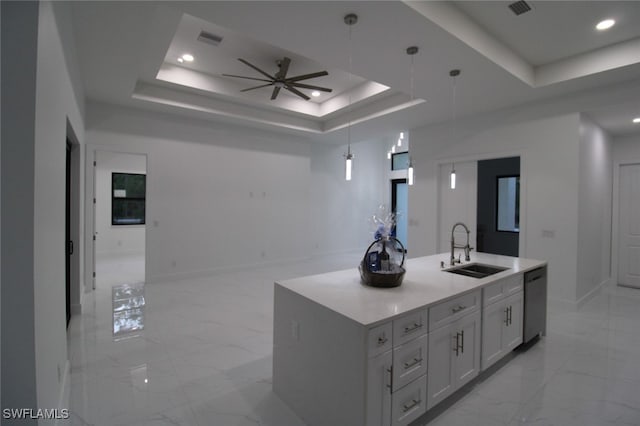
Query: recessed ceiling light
{"x": 315, "y": 93}
{"x": 180, "y": 60}
{"x": 187, "y": 57}
{"x": 636, "y": 120}
{"x": 605, "y": 25}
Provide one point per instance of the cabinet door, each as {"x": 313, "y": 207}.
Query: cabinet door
{"x": 379, "y": 390}
{"x": 494, "y": 320}
{"x": 467, "y": 359}
{"x": 440, "y": 366}
{"x": 513, "y": 329}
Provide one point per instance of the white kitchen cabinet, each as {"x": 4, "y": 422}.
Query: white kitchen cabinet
{"x": 501, "y": 328}
{"x": 454, "y": 357}
{"x": 379, "y": 390}
{"x": 348, "y": 354}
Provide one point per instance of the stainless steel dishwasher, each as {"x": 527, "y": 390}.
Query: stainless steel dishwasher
{"x": 535, "y": 303}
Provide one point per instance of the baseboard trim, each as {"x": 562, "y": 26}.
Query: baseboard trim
{"x": 76, "y": 309}
{"x": 575, "y": 305}
{"x": 592, "y": 293}
{"x": 64, "y": 393}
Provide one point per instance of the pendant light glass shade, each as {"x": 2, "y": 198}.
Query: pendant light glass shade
{"x": 452, "y": 179}
{"x": 348, "y": 165}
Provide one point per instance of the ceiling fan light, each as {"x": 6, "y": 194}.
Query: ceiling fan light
{"x": 636, "y": 120}
{"x": 188, "y": 57}
{"x": 180, "y": 60}
{"x": 315, "y": 93}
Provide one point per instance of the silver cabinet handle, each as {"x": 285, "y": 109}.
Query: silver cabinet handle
{"x": 416, "y": 326}
{"x": 458, "y": 308}
{"x": 382, "y": 340}
{"x": 408, "y": 365}
{"x": 390, "y": 371}
{"x": 413, "y": 403}
{"x": 506, "y": 316}
{"x": 462, "y": 339}
{"x": 456, "y": 348}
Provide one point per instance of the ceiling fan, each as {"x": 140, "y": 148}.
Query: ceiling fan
{"x": 281, "y": 81}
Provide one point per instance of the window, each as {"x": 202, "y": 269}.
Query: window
{"x": 400, "y": 161}
{"x": 128, "y": 199}
{"x": 508, "y": 216}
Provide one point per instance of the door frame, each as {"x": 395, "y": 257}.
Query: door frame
{"x": 615, "y": 217}
{"x": 90, "y": 212}
{"x": 76, "y": 221}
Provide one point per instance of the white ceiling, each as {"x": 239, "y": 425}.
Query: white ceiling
{"x": 128, "y": 50}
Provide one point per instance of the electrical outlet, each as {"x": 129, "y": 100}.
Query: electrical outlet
{"x": 548, "y": 233}
{"x": 295, "y": 330}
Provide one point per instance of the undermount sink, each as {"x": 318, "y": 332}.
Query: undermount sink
{"x": 476, "y": 270}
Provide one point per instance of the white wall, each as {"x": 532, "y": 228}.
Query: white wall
{"x": 55, "y": 104}
{"x": 221, "y": 196}
{"x": 36, "y": 372}
{"x": 549, "y": 151}
{"x": 116, "y": 240}
{"x": 594, "y": 209}
{"x": 19, "y": 22}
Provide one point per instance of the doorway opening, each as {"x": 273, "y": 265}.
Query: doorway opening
{"x": 72, "y": 244}
{"x": 498, "y": 211}
{"x": 399, "y": 206}
{"x": 119, "y": 219}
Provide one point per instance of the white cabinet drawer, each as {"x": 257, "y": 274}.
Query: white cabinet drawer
{"x": 379, "y": 339}
{"x": 409, "y": 361}
{"x": 501, "y": 289}
{"x": 409, "y": 326}
{"x": 446, "y": 312}
{"x": 409, "y": 403}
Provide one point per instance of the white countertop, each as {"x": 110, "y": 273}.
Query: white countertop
{"x": 424, "y": 284}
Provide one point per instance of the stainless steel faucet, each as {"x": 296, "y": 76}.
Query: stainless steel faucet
{"x": 466, "y": 247}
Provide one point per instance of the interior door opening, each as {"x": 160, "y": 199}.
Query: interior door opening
{"x": 119, "y": 219}
{"x": 399, "y": 205}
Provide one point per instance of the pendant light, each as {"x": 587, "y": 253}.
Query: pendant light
{"x": 411, "y": 51}
{"x": 453, "y": 74}
{"x": 349, "y": 19}
{"x": 452, "y": 179}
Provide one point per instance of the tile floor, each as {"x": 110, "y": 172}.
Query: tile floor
{"x": 198, "y": 352}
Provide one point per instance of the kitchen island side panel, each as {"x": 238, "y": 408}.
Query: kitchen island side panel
{"x": 319, "y": 361}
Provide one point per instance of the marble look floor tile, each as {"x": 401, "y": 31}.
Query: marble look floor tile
{"x": 204, "y": 358}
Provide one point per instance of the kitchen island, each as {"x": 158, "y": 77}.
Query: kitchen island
{"x": 349, "y": 354}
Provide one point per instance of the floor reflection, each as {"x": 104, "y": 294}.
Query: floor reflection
{"x": 128, "y": 310}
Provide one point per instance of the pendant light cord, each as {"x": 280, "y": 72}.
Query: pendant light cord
{"x": 350, "y": 90}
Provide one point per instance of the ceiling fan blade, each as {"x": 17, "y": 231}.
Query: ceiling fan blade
{"x": 297, "y": 92}
{"x": 274, "y": 95}
{"x": 256, "y": 87}
{"x": 284, "y": 67}
{"x": 248, "y": 78}
{"x": 256, "y": 68}
{"x": 307, "y": 76}
{"x": 308, "y": 86}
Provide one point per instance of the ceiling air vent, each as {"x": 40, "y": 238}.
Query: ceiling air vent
{"x": 209, "y": 38}
{"x": 519, "y": 7}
